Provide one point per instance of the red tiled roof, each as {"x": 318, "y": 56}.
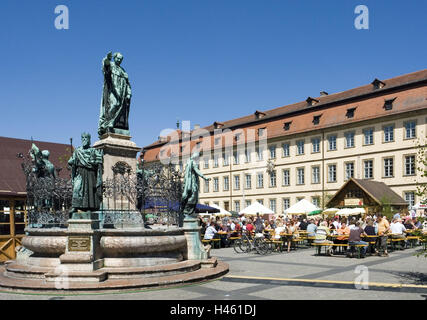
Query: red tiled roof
{"x": 12, "y": 178}
{"x": 368, "y": 100}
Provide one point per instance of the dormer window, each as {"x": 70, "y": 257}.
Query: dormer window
{"x": 287, "y": 125}
{"x": 237, "y": 136}
{"x": 259, "y": 114}
{"x": 218, "y": 125}
{"x": 311, "y": 101}
{"x": 316, "y": 119}
{"x": 388, "y": 104}
{"x": 350, "y": 113}
{"x": 217, "y": 140}
{"x": 378, "y": 84}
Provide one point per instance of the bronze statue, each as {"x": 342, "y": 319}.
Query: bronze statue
{"x": 86, "y": 173}
{"x": 42, "y": 166}
{"x": 116, "y": 97}
{"x": 190, "y": 194}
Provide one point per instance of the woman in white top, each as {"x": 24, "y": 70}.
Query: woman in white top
{"x": 279, "y": 229}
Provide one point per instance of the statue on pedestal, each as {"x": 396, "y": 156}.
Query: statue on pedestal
{"x": 86, "y": 173}
{"x": 116, "y": 97}
{"x": 190, "y": 194}
{"x": 42, "y": 166}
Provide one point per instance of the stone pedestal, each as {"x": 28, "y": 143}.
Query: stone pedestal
{"x": 195, "y": 248}
{"x": 118, "y": 150}
{"x": 82, "y": 252}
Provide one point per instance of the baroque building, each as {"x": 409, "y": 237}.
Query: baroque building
{"x": 311, "y": 148}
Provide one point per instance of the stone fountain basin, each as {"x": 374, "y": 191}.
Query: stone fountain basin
{"x": 131, "y": 242}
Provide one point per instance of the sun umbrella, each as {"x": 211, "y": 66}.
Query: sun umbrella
{"x": 222, "y": 212}
{"x": 314, "y": 212}
{"x": 301, "y": 207}
{"x": 330, "y": 210}
{"x": 255, "y": 208}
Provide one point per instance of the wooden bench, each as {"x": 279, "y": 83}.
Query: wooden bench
{"x": 413, "y": 240}
{"x": 319, "y": 246}
{"x": 401, "y": 241}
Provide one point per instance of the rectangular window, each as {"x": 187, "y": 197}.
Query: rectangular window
{"x": 287, "y": 126}
{"x": 410, "y": 129}
{"x": 260, "y": 180}
{"x": 272, "y": 152}
{"x": 248, "y": 155}
{"x": 285, "y": 148}
{"x": 215, "y": 184}
{"x": 286, "y": 203}
{"x": 368, "y": 168}
{"x": 332, "y": 173}
{"x": 410, "y": 198}
{"x": 248, "y": 203}
{"x": 236, "y": 182}
{"x": 226, "y": 159}
{"x": 409, "y": 165}
{"x": 316, "y": 120}
{"x": 217, "y": 140}
{"x": 315, "y": 175}
{"x": 248, "y": 181}
{"x": 236, "y": 157}
{"x": 300, "y": 147}
{"x": 369, "y": 136}
{"x": 226, "y": 184}
{"x": 332, "y": 142}
{"x": 237, "y": 206}
{"x": 261, "y": 132}
{"x": 273, "y": 179}
{"x": 273, "y": 205}
{"x": 349, "y": 139}
{"x": 206, "y": 186}
{"x": 300, "y": 176}
{"x": 316, "y": 145}
{"x": 286, "y": 177}
{"x": 206, "y": 163}
{"x": 315, "y": 201}
{"x": 350, "y": 113}
{"x": 388, "y": 167}
{"x": 389, "y": 133}
{"x": 349, "y": 170}
{"x": 215, "y": 164}
{"x": 259, "y": 154}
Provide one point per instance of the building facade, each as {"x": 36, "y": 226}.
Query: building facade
{"x": 311, "y": 148}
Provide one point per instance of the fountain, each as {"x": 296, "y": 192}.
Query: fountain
{"x": 89, "y": 232}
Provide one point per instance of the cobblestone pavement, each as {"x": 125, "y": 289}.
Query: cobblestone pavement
{"x": 255, "y": 277}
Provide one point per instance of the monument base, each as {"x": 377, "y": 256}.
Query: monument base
{"x": 195, "y": 248}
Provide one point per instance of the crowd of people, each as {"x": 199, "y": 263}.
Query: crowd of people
{"x": 346, "y": 230}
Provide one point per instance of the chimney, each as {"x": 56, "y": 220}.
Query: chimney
{"x": 323, "y": 93}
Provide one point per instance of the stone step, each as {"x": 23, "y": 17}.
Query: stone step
{"x": 152, "y": 271}
{"x": 202, "y": 274}
{"x": 16, "y": 270}
{"x": 62, "y": 276}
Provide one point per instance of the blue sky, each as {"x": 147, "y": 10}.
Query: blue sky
{"x": 202, "y": 61}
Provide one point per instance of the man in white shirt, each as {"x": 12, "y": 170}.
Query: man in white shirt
{"x": 398, "y": 230}
{"x": 232, "y": 225}
{"x": 210, "y": 232}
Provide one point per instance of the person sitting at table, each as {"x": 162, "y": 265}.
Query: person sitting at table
{"x": 343, "y": 233}
{"x": 417, "y": 224}
{"x": 371, "y": 231}
{"x": 259, "y": 224}
{"x": 311, "y": 228}
{"x": 409, "y": 224}
{"x": 249, "y": 226}
{"x": 322, "y": 232}
{"x": 355, "y": 238}
{"x": 211, "y": 232}
{"x": 398, "y": 230}
{"x": 273, "y": 224}
{"x": 291, "y": 228}
{"x": 278, "y": 230}
{"x": 303, "y": 224}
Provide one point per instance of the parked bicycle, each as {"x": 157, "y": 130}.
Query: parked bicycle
{"x": 248, "y": 243}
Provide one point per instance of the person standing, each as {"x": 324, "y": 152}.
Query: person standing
{"x": 383, "y": 228}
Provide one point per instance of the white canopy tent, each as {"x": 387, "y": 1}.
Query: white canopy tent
{"x": 350, "y": 211}
{"x": 255, "y": 208}
{"x": 420, "y": 205}
{"x": 222, "y": 212}
{"x": 301, "y": 207}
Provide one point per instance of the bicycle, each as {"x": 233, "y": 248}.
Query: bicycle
{"x": 248, "y": 243}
